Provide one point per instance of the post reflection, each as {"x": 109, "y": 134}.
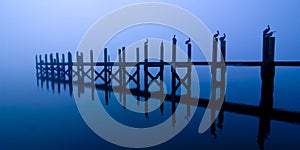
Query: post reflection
{"x": 76, "y": 74}
{"x": 267, "y": 88}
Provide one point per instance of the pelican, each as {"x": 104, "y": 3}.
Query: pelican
{"x": 188, "y": 41}
{"x": 270, "y": 33}
{"x": 267, "y": 29}
{"x": 174, "y": 39}
{"x": 217, "y": 34}
{"x": 223, "y": 37}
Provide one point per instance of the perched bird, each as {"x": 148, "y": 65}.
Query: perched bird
{"x": 217, "y": 34}
{"x": 188, "y": 41}
{"x": 174, "y": 39}
{"x": 223, "y": 37}
{"x": 146, "y": 42}
{"x": 267, "y": 30}
{"x": 270, "y": 33}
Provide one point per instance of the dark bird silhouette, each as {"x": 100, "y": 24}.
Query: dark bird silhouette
{"x": 223, "y": 37}
{"x": 146, "y": 42}
{"x": 267, "y": 29}
{"x": 174, "y": 39}
{"x": 217, "y": 34}
{"x": 270, "y": 33}
{"x": 188, "y": 41}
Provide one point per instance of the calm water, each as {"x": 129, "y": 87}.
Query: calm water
{"x": 34, "y": 117}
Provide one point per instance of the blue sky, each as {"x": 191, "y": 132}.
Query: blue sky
{"x": 33, "y": 27}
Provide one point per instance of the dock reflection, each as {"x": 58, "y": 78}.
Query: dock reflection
{"x": 265, "y": 111}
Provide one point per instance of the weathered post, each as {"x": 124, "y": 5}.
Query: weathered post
{"x": 189, "y": 78}
{"x": 70, "y": 72}
{"x": 63, "y": 68}
{"x": 189, "y": 69}
{"x": 92, "y": 74}
{"x": 138, "y": 85}
{"x": 161, "y": 76}
{"x": 120, "y": 73}
{"x": 120, "y": 68}
{"x": 124, "y": 68}
{"x": 51, "y": 66}
{"x": 36, "y": 66}
{"x": 124, "y": 76}
{"x": 173, "y": 67}
{"x": 109, "y": 71}
{"x": 146, "y": 67}
{"x": 267, "y": 76}
{"x": 223, "y": 50}
{"x": 105, "y": 67}
{"x": 223, "y": 67}
{"x": 80, "y": 73}
{"x": 92, "y": 68}
{"x": 214, "y": 80}
{"x": 46, "y": 66}
{"x": 41, "y": 68}
{"x": 57, "y": 66}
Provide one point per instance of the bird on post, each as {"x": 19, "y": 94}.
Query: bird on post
{"x": 217, "y": 34}
{"x": 270, "y": 33}
{"x": 174, "y": 40}
{"x": 223, "y": 37}
{"x": 146, "y": 42}
{"x": 267, "y": 30}
{"x": 188, "y": 41}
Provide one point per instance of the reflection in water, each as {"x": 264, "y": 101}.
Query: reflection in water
{"x": 266, "y": 102}
{"x": 265, "y": 111}
{"x": 75, "y": 75}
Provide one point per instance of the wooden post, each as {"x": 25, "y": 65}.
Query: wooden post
{"x": 189, "y": 70}
{"x": 36, "y": 66}
{"x": 70, "y": 72}
{"x": 146, "y": 67}
{"x": 161, "y": 64}
{"x": 120, "y": 69}
{"x": 146, "y": 74}
{"x": 268, "y": 72}
{"x": 223, "y": 50}
{"x": 41, "y": 68}
{"x": 266, "y": 101}
{"x": 46, "y": 66}
{"x": 109, "y": 71}
{"x": 268, "y": 68}
{"x": 223, "y": 68}
{"x": 161, "y": 76}
{"x": 63, "y": 68}
{"x": 124, "y": 76}
{"x": 57, "y": 66}
{"x": 78, "y": 66}
{"x": 51, "y": 66}
{"x": 138, "y": 85}
{"x": 215, "y": 85}
{"x": 214, "y": 60}
{"x": 173, "y": 67}
{"x": 105, "y": 67}
{"x": 215, "y": 50}
{"x": 92, "y": 69}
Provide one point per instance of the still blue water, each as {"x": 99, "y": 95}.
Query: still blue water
{"x": 33, "y": 117}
